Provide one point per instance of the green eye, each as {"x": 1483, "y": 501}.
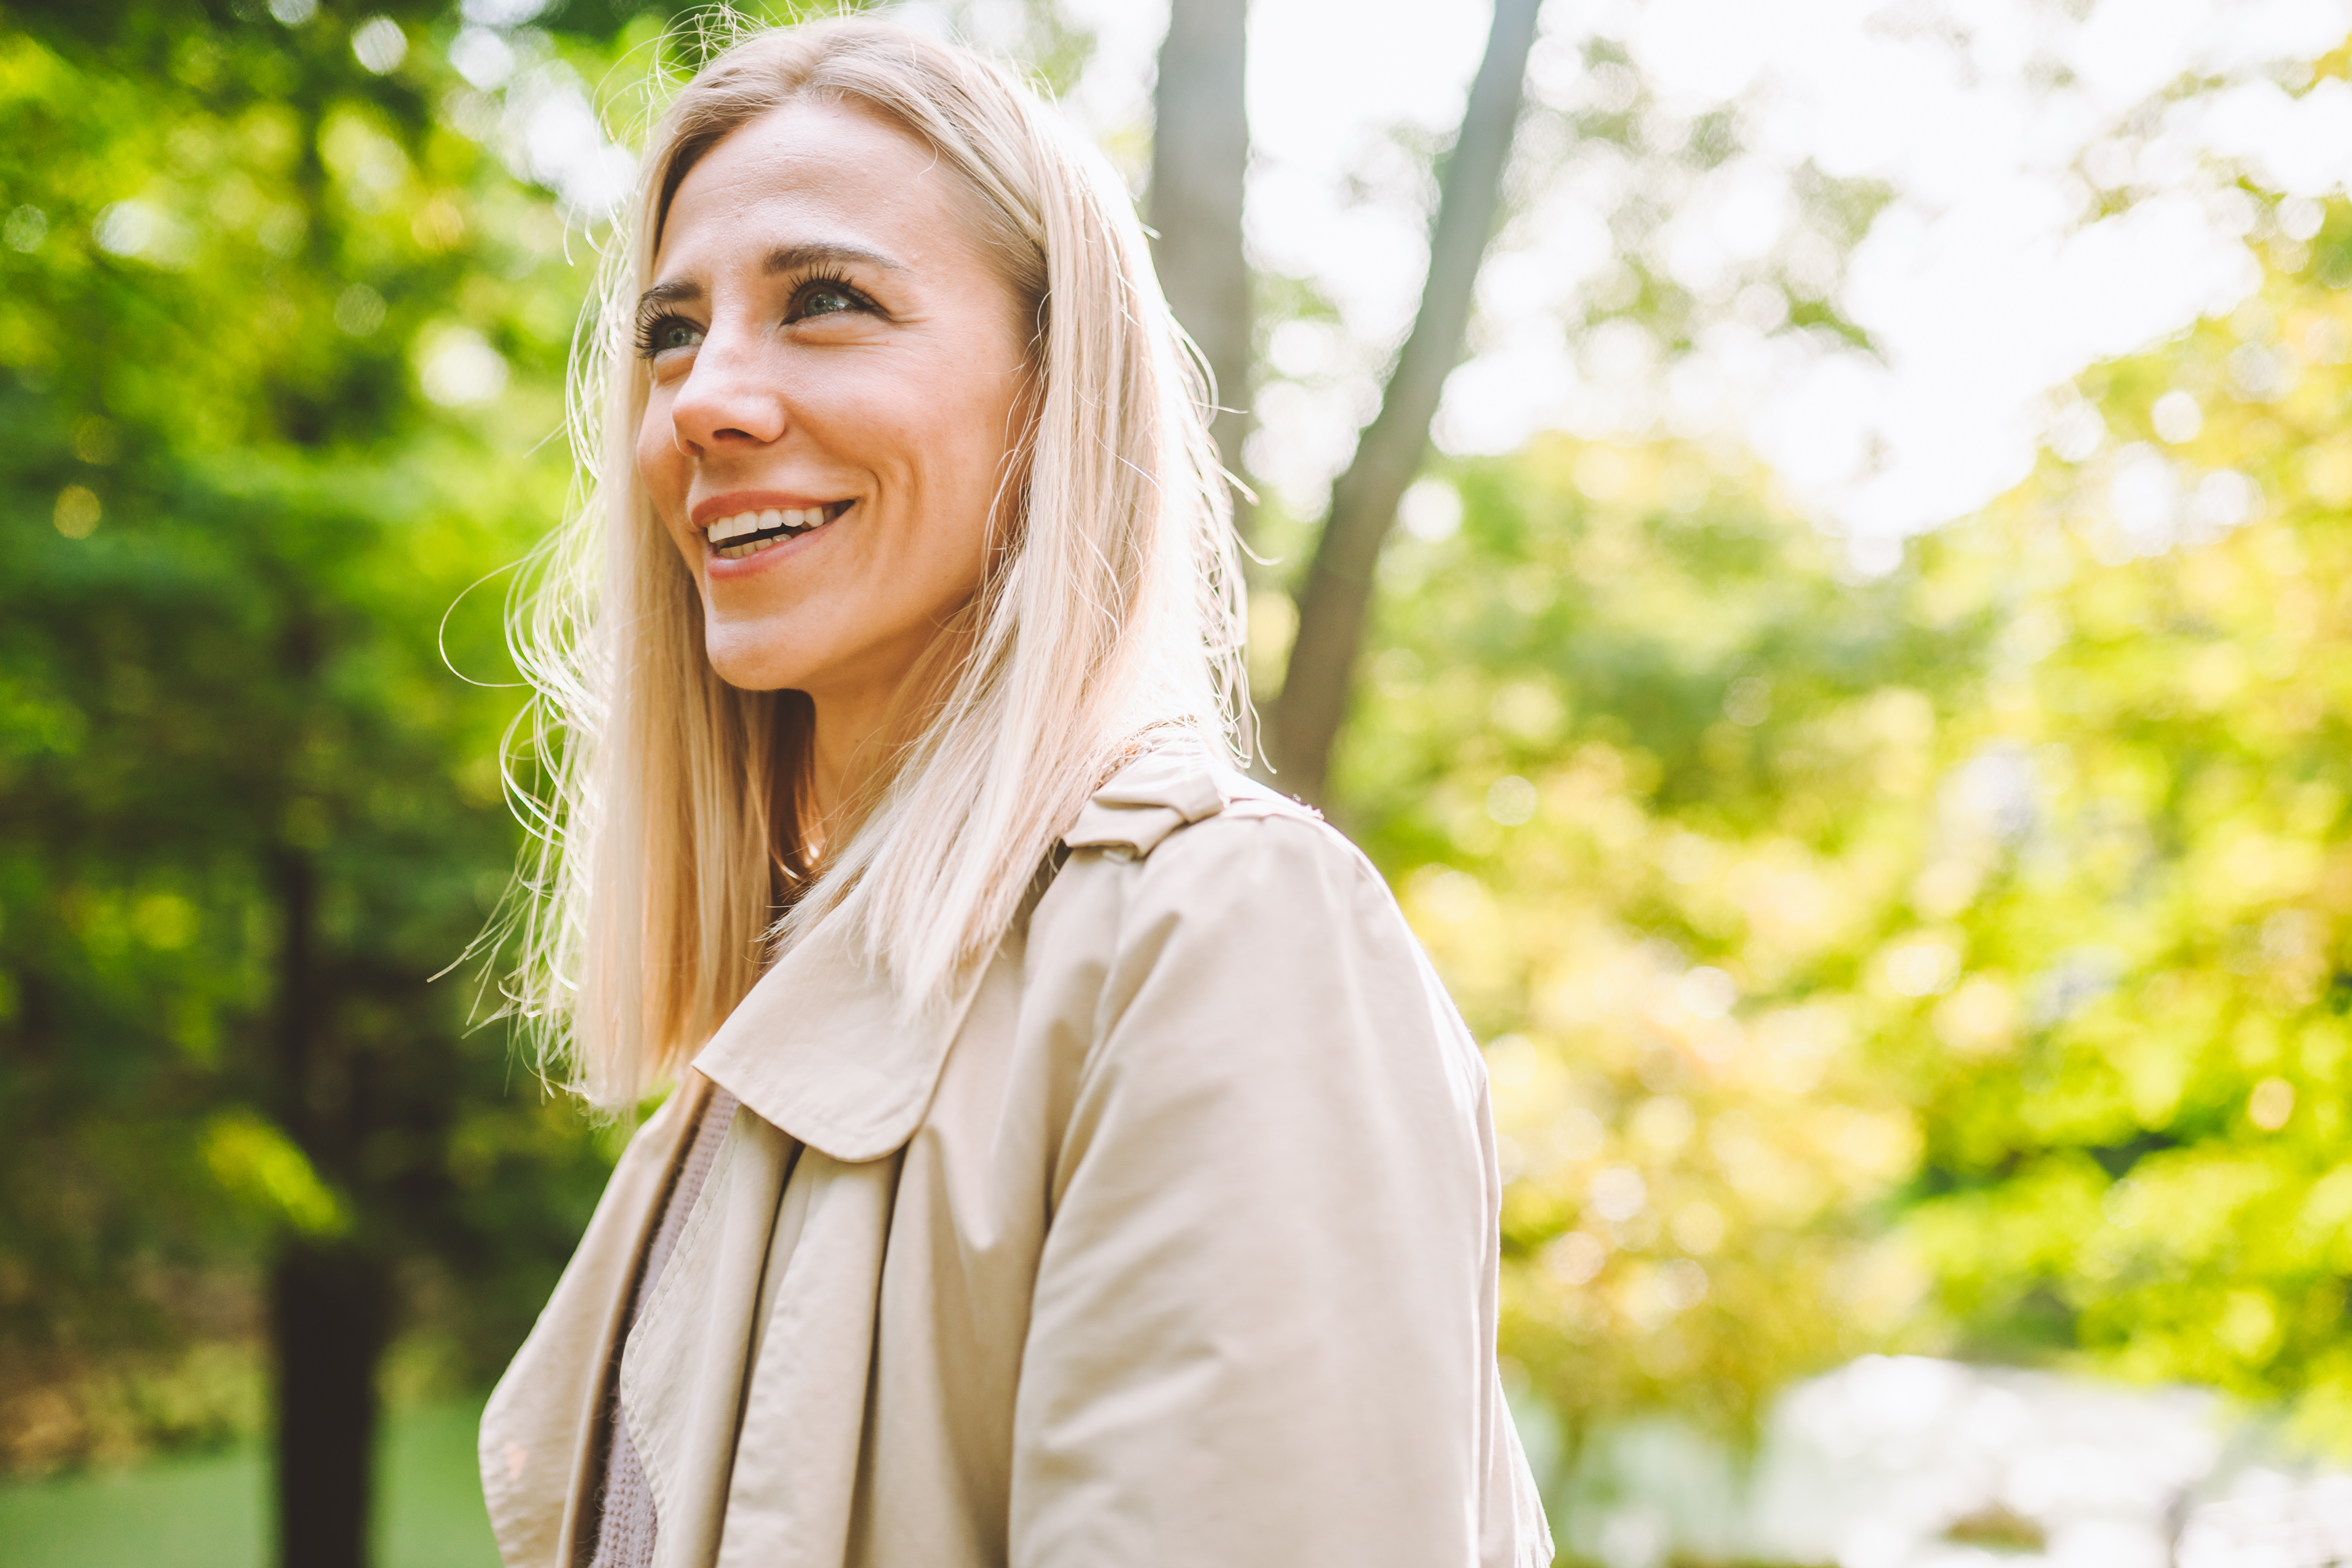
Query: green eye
{"x": 826, "y": 302}
{"x": 658, "y": 337}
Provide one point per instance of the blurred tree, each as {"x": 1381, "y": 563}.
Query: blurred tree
{"x": 282, "y": 340}
{"x": 1647, "y": 772}
{"x": 1953, "y": 958}
{"x": 2133, "y": 1045}
{"x": 1199, "y": 158}
{"x": 1595, "y": 125}
{"x": 1336, "y": 594}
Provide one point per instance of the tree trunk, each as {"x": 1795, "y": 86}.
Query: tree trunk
{"x": 329, "y": 1309}
{"x": 1200, "y": 156}
{"x": 329, "y": 1322}
{"x": 1336, "y": 600}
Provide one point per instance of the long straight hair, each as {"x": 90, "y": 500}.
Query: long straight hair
{"x": 672, "y": 853}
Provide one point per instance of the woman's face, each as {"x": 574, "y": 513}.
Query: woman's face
{"x": 836, "y": 372}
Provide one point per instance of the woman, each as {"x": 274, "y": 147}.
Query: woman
{"x": 1073, "y": 1160}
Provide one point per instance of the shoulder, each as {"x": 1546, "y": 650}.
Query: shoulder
{"x": 1210, "y": 928}
{"x": 1177, "y": 828}
{"x": 1184, "y": 875}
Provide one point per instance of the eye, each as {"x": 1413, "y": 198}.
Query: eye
{"x": 666, "y": 334}
{"x": 823, "y": 295}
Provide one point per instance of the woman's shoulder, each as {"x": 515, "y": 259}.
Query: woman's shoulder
{"x": 1181, "y": 850}
{"x": 1216, "y": 910}
{"x": 1180, "y": 824}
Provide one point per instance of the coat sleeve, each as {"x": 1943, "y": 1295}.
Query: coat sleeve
{"x": 1264, "y": 1325}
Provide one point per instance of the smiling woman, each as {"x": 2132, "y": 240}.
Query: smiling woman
{"x": 835, "y": 408}
{"x": 1072, "y": 1158}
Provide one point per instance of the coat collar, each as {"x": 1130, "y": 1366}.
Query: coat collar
{"x": 823, "y": 1046}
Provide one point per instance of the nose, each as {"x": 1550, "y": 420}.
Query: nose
{"x": 730, "y": 399}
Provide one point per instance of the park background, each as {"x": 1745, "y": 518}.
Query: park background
{"x": 1828, "y": 599}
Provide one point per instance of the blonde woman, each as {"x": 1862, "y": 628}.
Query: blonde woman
{"x": 1073, "y": 1160}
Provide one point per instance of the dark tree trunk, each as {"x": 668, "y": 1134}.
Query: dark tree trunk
{"x": 1200, "y": 155}
{"x": 329, "y": 1314}
{"x": 1336, "y": 600}
{"x": 328, "y": 1320}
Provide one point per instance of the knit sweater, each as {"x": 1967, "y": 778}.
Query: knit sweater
{"x": 624, "y": 1519}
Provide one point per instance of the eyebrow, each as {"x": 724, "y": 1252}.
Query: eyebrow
{"x": 784, "y": 258}
{"x": 798, "y": 257}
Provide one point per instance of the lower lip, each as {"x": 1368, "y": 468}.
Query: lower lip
{"x": 722, "y": 568}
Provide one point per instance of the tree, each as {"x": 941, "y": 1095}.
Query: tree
{"x": 1200, "y": 161}
{"x": 1953, "y": 960}
{"x": 2136, "y": 1064}
{"x": 1336, "y": 595}
{"x": 281, "y": 346}
{"x": 1650, "y": 781}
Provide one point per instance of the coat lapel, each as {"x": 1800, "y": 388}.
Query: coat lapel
{"x": 807, "y": 1392}
{"x": 824, "y": 1048}
{"x": 541, "y": 1434}
{"x": 682, "y": 1378}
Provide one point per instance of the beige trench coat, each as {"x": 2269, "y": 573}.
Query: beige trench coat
{"x": 1173, "y": 1243}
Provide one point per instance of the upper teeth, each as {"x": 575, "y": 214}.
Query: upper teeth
{"x": 749, "y": 523}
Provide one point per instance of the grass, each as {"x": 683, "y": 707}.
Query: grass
{"x": 213, "y": 1510}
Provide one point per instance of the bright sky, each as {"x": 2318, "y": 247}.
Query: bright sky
{"x": 1986, "y": 283}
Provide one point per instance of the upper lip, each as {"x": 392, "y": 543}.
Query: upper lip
{"x": 703, "y": 513}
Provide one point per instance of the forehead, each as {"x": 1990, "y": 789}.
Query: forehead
{"x": 808, "y": 165}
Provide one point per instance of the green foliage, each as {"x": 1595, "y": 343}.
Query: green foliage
{"x": 1648, "y": 775}
{"x": 283, "y": 332}
{"x": 1953, "y": 960}
{"x": 254, "y": 304}
{"x": 2137, "y": 1099}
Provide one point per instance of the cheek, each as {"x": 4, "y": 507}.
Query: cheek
{"x": 663, "y": 470}
{"x": 659, "y": 463}
{"x": 969, "y": 434}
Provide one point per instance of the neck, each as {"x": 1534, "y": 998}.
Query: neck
{"x": 845, "y": 745}
{"x": 849, "y": 739}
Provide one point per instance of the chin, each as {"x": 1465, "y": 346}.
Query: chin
{"x": 747, "y": 662}
{"x": 756, "y": 676}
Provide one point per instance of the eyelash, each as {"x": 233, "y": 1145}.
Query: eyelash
{"x": 649, "y": 327}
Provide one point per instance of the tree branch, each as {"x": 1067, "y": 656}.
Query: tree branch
{"x": 1200, "y": 157}
{"x": 1335, "y": 603}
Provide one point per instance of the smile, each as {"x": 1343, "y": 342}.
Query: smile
{"x": 749, "y": 532}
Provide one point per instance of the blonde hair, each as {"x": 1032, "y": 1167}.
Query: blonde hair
{"x": 671, "y": 859}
